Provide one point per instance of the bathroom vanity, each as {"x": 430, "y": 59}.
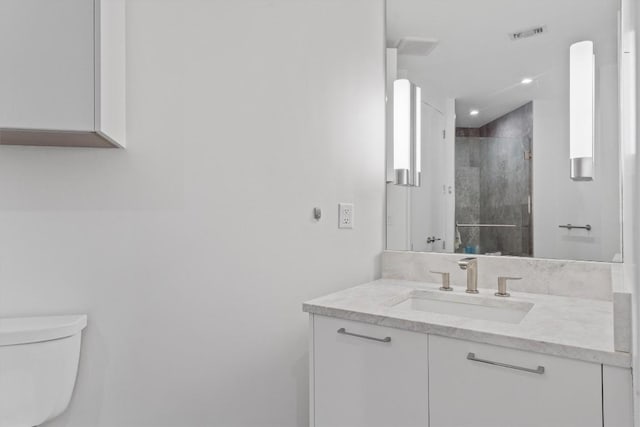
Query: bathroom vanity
{"x": 486, "y": 135}
{"x": 405, "y": 353}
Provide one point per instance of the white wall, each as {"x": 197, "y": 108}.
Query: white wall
{"x": 412, "y": 213}
{"x": 428, "y": 202}
{"x": 559, "y": 200}
{"x": 630, "y": 162}
{"x": 193, "y": 249}
{"x": 629, "y": 115}
{"x": 434, "y": 205}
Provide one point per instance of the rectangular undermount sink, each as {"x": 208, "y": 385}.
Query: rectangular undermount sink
{"x": 468, "y": 306}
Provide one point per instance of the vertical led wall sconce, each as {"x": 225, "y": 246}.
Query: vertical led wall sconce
{"x": 407, "y": 133}
{"x": 582, "y": 110}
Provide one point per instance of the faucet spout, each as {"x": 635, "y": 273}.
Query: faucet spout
{"x": 470, "y": 265}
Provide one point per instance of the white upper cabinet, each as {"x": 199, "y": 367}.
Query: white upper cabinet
{"x": 62, "y": 79}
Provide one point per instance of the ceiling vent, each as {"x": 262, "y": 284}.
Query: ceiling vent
{"x": 531, "y": 32}
{"x": 416, "y": 46}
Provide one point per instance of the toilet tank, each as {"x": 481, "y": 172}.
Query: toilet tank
{"x": 38, "y": 367}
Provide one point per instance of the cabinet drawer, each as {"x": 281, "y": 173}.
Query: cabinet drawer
{"x": 480, "y": 385}
{"x": 377, "y": 377}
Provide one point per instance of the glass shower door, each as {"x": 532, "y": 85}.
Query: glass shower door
{"x": 493, "y": 196}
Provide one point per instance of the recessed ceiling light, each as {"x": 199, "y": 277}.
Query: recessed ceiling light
{"x": 474, "y": 112}
{"x": 526, "y": 81}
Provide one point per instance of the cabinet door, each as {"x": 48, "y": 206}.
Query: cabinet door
{"x": 617, "y": 402}
{"x": 467, "y": 393}
{"x": 47, "y": 73}
{"x": 361, "y": 382}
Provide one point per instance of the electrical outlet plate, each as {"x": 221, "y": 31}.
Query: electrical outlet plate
{"x": 345, "y": 217}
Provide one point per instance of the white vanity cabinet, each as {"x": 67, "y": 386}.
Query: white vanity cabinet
{"x": 363, "y": 381}
{"x": 62, "y": 80}
{"x": 479, "y": 393}
{"x": 367, "y": 375}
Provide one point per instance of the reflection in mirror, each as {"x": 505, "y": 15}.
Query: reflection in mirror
{"x": 497, "y": 162}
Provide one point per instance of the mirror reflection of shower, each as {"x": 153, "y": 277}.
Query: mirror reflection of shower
{"x": 493, "y": 166}
{"x": 489, "y": 87}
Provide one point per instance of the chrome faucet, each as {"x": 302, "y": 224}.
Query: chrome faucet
{"x": 471, "y": 266}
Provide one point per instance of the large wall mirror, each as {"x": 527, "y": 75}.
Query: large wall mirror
{"x": 504, "y": 104}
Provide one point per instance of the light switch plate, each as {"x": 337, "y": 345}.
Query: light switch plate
{"x": 345, "y": 217}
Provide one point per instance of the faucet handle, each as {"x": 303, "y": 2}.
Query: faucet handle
{"x": 445, "y": 280}
{"x": 502, "y": 285}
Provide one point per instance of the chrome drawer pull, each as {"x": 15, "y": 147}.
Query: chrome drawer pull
{"x": 343, "y": 331}
{"x": 472, "y": 357}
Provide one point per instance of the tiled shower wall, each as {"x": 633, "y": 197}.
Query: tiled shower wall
{"x": 468, "y": 190}
{"x": 493, "y": 183}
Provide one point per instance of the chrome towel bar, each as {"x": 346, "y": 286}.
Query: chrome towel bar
{"x": 487, "y": 225}
{"x": 570, "y": 227}
{"x": 539, "y": 370}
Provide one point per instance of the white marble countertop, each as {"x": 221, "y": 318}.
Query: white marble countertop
{"x": 562, "y": 326}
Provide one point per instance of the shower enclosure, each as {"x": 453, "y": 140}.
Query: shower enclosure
{"x": 493, "y": 195}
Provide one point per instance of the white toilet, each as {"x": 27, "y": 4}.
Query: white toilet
{"x": 38, "y": 367}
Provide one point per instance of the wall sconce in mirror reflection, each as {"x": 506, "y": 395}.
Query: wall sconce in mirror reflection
{"x": 582, "y": 110}
{"x": 407, "y": 130}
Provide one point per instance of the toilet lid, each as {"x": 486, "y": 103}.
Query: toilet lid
{"x": 25, "y": 330}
